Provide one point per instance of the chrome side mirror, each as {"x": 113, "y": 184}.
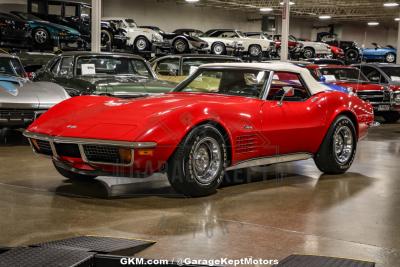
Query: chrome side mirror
{"x": 287, "y": 91}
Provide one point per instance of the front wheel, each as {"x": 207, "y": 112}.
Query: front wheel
{"x": 197, "y": 166}
{"x": 352, "y": 55}
{"x": 308, "y": 52}
{"x": 255, "y": 50}
{"x": 391, "y": 117}
{"x": 337, "y": 151}
{"x": 390, "y": 58}
{"x": 72, "y": 175}
{"x": 106, "y": 38}
{"x": 181, "y": 46}
{"x": 41, "y": 36}
{"x": 141, "y": 44}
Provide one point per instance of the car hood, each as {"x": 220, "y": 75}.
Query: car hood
{"x": 129, "y": 85}
{"x": 127, "y": 119}
{"x": 56, "y": 26}
{"x": 360, "y": 86}
{"x": 37, "y": 95}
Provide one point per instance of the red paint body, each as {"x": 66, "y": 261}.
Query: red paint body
{"x": 263, "y": 127}
{"x": 337, "y": 52}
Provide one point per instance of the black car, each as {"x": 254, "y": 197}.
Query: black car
{"x": 14, "y": 32}
{"x": 350, "y": 48}
{"x": 181, "y": 41}
{"x": 386, "y": 75}
{"x": 77, "y": 15}
{"x": 116, "y": 74}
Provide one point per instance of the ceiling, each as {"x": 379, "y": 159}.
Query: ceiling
{"x": 340, "y": 10}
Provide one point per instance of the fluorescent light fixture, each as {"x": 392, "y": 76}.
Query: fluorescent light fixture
{"x": 290, "y": 3}
{"x": 373, "y": 23}
{"x": 324, "y": 17}
{"x": 192, "y": 1}
{"x": 397, "y": 19}
{"x": 390, "y": 4}
{"x": 266, "y": 9}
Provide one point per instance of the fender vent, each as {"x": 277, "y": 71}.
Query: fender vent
{"x": 246, "y": 143}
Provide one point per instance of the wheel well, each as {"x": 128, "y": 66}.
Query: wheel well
{"x": 255, "y": 45}
{"x": 353, "y": 119}
{"x": 137, "y": 37}
{"x": 215, "y": 43}
{"x": 309, "y": 47}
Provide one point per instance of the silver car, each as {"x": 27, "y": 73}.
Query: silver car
{"x": 21, "y": 100}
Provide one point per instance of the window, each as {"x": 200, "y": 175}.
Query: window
{"x": 373, "y": 74}
{"x": 342, "y": 74}
{"x": 225, "y": 34}
{"x": 168, "y": 67}
{"x": 288, "y": 79}
{"x": 55, "y": 9}
{"x": 392, "y": 72}
{"x": 11, "y": 67}
{"x": 240, "y": 82}
{"x": 190, "y": 65}
{"x": 106, "y": 65}
{"x": 70, "y": 11}
{"x": 55, "y": 66}
{"x": 67, "y": 66}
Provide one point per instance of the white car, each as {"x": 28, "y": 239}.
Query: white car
{"x": 221, "y": 40}
{"x": 139, "y": 39}
{"x": 310, "y": 49}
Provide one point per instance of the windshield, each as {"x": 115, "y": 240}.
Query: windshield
{"x": 11, "y": 66}
{"x": 345, "y": 74}
{"x": 229, "y": 81}
{"x": 131, "y": 23}
{"x": 393, "y": 73}
{"x": 241, "y": 34}
{"x": 86, "y": 66}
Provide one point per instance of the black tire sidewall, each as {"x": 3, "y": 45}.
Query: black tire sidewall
{"x": 137, "y": 40}
{"x": 259, "y": 48}
{"x": 183, "y": 41}
{"x": 180, "y": 171}
{"x": 325, "y": 158}
{"x": 388, "y": 55}
{"x": 48, "y": 36}
{"x": 218, "y": 44}
{"x": 308, "y": 49}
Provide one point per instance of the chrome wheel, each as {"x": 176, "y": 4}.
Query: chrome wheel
{"x": 308, "y": 53}
{"x": 141, "y": 44}
{"x": 390, "y": 58}
{"x": 218, "y": 49}
{"x": 254, "y": 50}
{"x": 41, "y": 36}
{"x": 180, "y": 46}
{"x": 343, "y": 144}
{"x": 206, "y": 160}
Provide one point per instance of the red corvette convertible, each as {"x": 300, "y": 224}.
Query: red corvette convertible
{"x": 223, "y": 117}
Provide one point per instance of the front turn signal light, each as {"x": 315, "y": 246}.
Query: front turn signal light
{"x": 145, "y": 152}
{"x": 125, "y": 155}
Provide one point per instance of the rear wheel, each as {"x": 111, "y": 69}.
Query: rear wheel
{"x": 391, "y": 117}
{"x": 308, "y": 52}
{"x": 338, "y": 149}
{"x": 106, "y": 38}
{"x": 390, "y": 58}
{"x": 141, "y": 44}
{"x": 72, "y": 175}
{"x": 255, "y": 50}
{"x": 197, "y": 166}
{"x": 218, "y": 49}
{"x": 352, "y": 55}
{"x": 181, "y": 46}
{"x": 41, "y": 37}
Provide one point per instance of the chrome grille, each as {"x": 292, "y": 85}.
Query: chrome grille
{"x": 375, "y": 96}
{"x": 68, "y": 150}
{"x": 101, "y": 153}
{"x": 17, "y": 114}
{"x": 44, "y": 147}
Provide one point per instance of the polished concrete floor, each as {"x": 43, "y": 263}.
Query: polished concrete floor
{"x": 277, "y": 211}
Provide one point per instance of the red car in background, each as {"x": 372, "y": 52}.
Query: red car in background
{"x": 337, "y": 52}
{"x": 380, "y": 96}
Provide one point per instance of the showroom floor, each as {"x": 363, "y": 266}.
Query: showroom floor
{"x": 295, "y": 210}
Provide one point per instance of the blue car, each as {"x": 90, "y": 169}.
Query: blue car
{"x": 45, "y": 33}
{"x": 387, "y": 54}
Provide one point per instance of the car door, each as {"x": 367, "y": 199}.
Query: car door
{"x": 296, "y": 124}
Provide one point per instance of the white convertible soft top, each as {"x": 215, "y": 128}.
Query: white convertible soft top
{"x": 313, "y": 85}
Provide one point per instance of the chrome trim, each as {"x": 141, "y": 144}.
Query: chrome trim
{"x": 88, "y": 141}
{"x": 268, "y": 85}
{"x": 270, "y": 160}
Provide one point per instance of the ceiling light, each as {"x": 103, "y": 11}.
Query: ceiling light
{"x": 390, "y": 4}
{"x": 266, "y": 9}
{"x": 373, "y": 23}
{"x": 324, "y": 17}
{"x": 192, "y": 1}
{"x": 290, "y": 3}
{"x": 397, "y": 19}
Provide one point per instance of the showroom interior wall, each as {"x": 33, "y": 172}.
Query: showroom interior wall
{"x": 169, "y": 16}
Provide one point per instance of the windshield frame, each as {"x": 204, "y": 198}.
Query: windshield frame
{"x": 362, "y": 77}
{"x": 149, "y": 69}
{"x": 191, "y": 78}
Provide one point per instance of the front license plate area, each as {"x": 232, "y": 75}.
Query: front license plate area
{"x": 383, "y": 108}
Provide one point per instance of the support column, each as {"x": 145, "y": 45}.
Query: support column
{"x": 398, "y": 43}
{"x": 285, "y": 30}
{"x": 96, "y": 26}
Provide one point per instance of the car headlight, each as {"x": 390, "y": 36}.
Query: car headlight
{"x": 155, "y": 38}
{"x": 63, "y": 33}
{"x": 396, "y": 98}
